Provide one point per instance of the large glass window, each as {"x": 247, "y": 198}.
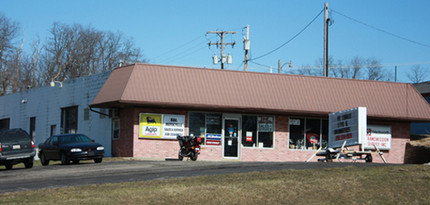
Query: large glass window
{"x": 257, "y": 131}
{"x": 249, "y": 131}
{"x": 208, "y": 126}
{"x": 308, "y": 133}
{"x": 69, "y": 120}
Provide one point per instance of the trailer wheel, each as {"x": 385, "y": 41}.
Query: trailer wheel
{"x": 369, "y": 158}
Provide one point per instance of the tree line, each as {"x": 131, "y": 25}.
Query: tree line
{"x": 359, "y": 68}
{"x": 70, "y": 51}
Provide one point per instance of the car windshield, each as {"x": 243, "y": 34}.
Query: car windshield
{"x": 68, "y": 139}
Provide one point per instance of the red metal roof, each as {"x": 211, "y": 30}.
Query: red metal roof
{"x": 199, "y": 88}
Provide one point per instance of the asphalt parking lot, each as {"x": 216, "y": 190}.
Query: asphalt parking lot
{"x": 88, "y": 172}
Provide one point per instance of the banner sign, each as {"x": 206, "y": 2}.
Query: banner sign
{"x": 161, "y": 126}
{"x": 150, "y": 125}
{"x": 173, "y": 125}
{"x": 378, "y": 135}
{"x": 348, "y": 125}
{"x": 265, "y": 124}
{"x": 213, "y": 139}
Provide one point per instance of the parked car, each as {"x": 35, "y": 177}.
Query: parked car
{"x": 70, "y": 147}
{"x": 16, "y": 146}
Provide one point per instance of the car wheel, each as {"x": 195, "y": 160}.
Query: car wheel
{"x": 75, "y": 161}
{"x": 28, "y": 163}
{"x": 8, "y": 166}
{"x": 98, "y": 160}
{"x": 64, "y": 159}
{"x": 43, "y": 159}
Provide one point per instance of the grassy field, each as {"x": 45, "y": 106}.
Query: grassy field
{"x": 409, "y": 184}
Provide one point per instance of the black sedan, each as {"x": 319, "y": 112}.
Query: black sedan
{"x": 70, "y": 147}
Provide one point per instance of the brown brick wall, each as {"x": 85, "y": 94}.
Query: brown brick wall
{"x": 130, "y": 145}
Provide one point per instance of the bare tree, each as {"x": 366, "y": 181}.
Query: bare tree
{"x": 74, "y": 51}
{"x": 357, "y": 64}
{"x": 417, "y": 74}
{"x": 339, "y": 70}
{"x": 374, "y": 69}
{"x": 8, "y": 34}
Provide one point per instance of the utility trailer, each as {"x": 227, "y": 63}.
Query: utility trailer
{"x": 330, "y": 154}
{"x": 348, "y": 128}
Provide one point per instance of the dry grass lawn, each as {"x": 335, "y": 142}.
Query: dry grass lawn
{"x": 409, "y": 184}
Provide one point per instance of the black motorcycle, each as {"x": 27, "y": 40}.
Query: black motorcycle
{"x": 189, "y": 147}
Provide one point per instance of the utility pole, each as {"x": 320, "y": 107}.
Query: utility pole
{"x": 246, "y": 46}
{"x": 224, "y": 58}
{"x": 395, "y": 74}
{"x": 326, "y": 21}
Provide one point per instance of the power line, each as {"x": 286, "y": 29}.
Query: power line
{"x": 185, "y": 54}
{"x": 380, "y": 30}
{"x": 301, "y": 31}
{"x": 180, "y": 46}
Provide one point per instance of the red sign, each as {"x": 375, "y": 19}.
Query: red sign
{"x": 312, "y": 137}
{"x": 213, "y": 142}
{"x": 249, "y": 138}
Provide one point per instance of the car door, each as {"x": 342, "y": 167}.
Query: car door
{"x": 50, "y": 149}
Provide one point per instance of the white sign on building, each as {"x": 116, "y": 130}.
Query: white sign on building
{"x": 173, "y": 125}
{"x": 378, "y": 135}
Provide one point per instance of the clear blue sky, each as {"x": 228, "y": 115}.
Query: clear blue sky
{"x": 157, "y": 27}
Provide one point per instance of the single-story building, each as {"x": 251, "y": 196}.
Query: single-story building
{"x": 248, "y": 116}
{"x": 422, "y": 128}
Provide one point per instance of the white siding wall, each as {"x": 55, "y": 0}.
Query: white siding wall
{"x": 45, "y": 104}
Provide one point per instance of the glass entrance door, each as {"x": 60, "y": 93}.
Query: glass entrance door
{"x": 231, "y": 138}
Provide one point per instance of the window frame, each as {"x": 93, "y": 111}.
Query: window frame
{"x": 320, "y": 139}
{"x": 255, "y": 145}
{"x": 205, "y": 126}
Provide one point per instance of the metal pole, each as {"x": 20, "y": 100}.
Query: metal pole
{"x": 395, "y": 74}
{"x": 222, "y": 50}
{"x": 326, "y": 20}
{"x": 246, "y": 50}
{"x": 279, "y": 66}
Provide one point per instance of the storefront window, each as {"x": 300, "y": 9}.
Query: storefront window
{"x": 197, "y": 124}
{"x": 297, "y": 130}
{"x": 249, "y": 131}
{"x": 257, "y": 131}
{"x": 308, "y": 133}
{"x": 208, "y": 126}
{"x": 213, "y": 123}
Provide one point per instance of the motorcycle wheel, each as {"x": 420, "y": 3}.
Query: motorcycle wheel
{"x": 180, "y": 157}
{"x": 193, "y": 156}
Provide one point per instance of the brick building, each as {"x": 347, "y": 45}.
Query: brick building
{"x": 248, "y": 116}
